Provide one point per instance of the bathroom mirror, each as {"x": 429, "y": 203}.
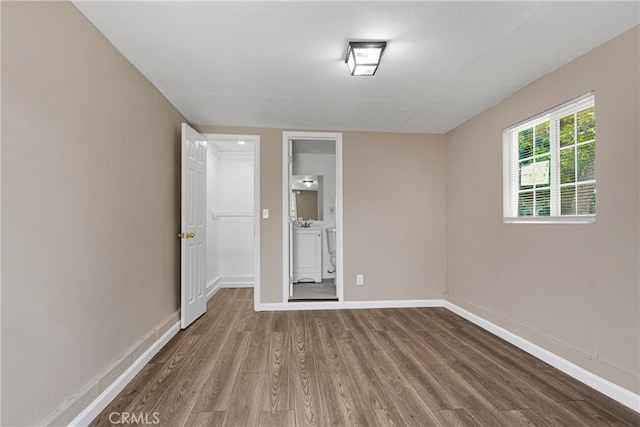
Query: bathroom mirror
{"x": 307, "y": 197}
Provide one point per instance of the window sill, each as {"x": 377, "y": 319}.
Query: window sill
{"x": 568, "y": 219}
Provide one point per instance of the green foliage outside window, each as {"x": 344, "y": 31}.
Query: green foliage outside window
{"x": 577, "y": 163}
{"x": 575, "y": 160}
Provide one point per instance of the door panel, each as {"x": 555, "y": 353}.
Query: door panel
{"x": 193, "y": 303}
{"x": 291, "y": 220}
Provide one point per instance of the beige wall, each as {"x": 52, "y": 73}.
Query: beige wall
{"x": 394, "y": 213}
{"x": 90, "y": 207}
{"x": 573, "y": 289}
{"x": 0, "y": 224}
{"x": 394, "y": 216}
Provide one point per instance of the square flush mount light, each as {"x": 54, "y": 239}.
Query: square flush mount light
{"x": 363, "y": 58}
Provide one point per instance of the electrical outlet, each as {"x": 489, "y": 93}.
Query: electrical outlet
{"x": 359, "y": 279}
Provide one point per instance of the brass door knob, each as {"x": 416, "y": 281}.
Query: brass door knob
{"x": 180, "y": 235}
{"x": 191, "y": 235}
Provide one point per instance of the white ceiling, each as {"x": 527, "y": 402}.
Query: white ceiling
{"x": 281, "y": 64}
{"x": 231, "y": 145}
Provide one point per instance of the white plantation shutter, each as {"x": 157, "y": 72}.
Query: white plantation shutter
{"x": 549, "y": 165}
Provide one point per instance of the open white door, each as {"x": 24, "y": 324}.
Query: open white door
{"x": 291, "y": 220}
{"x": 193, "y": 235}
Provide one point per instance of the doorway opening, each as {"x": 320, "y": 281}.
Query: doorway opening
{"x": 232, "y": 205}
{"x": 312, "y": 217}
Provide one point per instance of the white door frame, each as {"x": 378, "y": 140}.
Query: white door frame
{"x": 256, "y": 205}
{"x": 328, "y": 136}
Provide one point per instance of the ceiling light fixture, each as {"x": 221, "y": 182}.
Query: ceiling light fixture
{"x": 363, "y": 58}
{"x": 241, "y": 142}
{"x": 307, "y": 183}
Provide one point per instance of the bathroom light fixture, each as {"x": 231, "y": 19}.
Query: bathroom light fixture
{"x": 307, "y": 183}
{"x": 241, "y": 142}
{"x": 363, "y": 58}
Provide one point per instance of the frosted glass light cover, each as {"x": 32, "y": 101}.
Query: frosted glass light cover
{"x": 363, "y": 58}
{"x": 351, "y": 63}
{"x": 365, "y": 70}
{"x": 367, "y": 55}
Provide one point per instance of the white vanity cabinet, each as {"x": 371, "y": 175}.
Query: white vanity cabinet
{"x": 307, "y": 255}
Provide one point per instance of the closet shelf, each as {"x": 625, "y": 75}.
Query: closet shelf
{"x": 218, "y": 215}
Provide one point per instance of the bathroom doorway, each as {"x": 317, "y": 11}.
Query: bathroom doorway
{"x": 312, "y": 217}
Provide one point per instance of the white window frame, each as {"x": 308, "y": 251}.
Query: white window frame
{"x": 511, "y": 160}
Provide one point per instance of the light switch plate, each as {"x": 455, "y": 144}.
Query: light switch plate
{"x": 265, "y": 213}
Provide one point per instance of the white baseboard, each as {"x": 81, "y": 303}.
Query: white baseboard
{"x": 606, "y": 387}
{"x": 101, "y": 402}
{"x": 213, "y": 287}
{"x": 342, "y": 305}
{"x": 237, "y": 282}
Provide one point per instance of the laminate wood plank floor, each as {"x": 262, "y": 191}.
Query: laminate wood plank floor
{"x": 304, "y": 291}
{"x": 378, "y": 367}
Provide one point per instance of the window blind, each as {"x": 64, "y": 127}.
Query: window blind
{"x": 549, "y": 165}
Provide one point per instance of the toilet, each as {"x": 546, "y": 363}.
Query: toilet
{"x": 331, "y": 247}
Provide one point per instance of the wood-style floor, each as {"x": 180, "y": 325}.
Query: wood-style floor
{"x": 391, "y": 367}
{"x": 305, "y": 291}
